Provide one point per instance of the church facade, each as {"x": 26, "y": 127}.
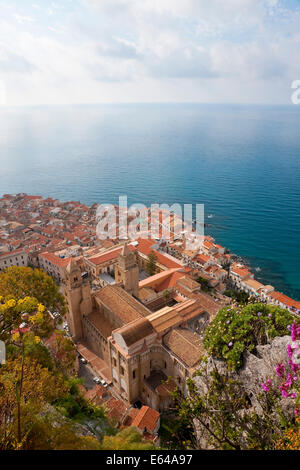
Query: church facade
{"x": 141, "y": 348}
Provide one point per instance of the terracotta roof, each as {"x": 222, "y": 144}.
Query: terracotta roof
{"x": 208, "y": 244}
{"x": 185, "y": 344}
{"x": 121, "y": 303}
{"x": 146, "y": 418}
{"x": 203, "y": 259}
{"x": 189, "y": 309}
{"x": 116, "y": 409}
{"x": 284, "y": 299}
{"x": 240, "y": 270}
{"x": 145, "y": 246}
{"x": 53, "y": 259}
{"x": 254, "y": 284}
{"x": 97, "y": 395}
{"x": 163, "y": 278}
{"x": 164, "y": 319}
{"x": 189, "y": 283}
{"x": 135, "y": 331}
{"x": 100, "y": 323}
{"x": 204, "y": 300}
{"x": 108, "y": 256}
{"x": 12, "y": 253}
{"x": 132, "y": 413}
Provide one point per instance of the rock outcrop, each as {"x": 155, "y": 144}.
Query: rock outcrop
{"x": 258, "y": 366}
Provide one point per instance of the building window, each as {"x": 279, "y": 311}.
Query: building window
{"x": 134, "y": 374}
{"x": 122, "y": 370}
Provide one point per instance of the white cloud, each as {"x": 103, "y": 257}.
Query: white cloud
{"x": 150, "y": 50}
{"x": 23, "y": 19}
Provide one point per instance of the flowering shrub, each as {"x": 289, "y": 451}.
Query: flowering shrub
{"x": 288, "y": 373}
{"x": 28, "y": 312}
{"x": 291, "y": 438}
{"x": 237, "y": 329}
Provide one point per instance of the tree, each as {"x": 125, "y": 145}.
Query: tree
{"x": 22, "y": 323}
{"x": 51, "y": 431}
{"x": 151, "y": 267}
{"x": 19, "y": 282}
{"x": 63, "y": 350}
{"x": 235, "y": 330}
{"x": 240, "y": 297}
{"x": 127, "y": 439}
{"x": 24, "y": 385}
{"x": 223, "y": 415}
{"x": 167, "y": 296}
{"x": 291, "y": 438}
{"x": 27, "y": 311}
{"x": 204, "y": 283}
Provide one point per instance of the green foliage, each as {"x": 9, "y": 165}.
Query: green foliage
{"x": 151, "y": 267}
{"x": 127, "y": 439}
{"x": 48, "y": 430}
{"x": 235, "y": 330}
{"x": 240, "y": 297}
{"x": 41, "y": 407}
{"x": 204, "y": 284}
{"x": 76, "y": 407}
{"x": 20, "y": 282}
{"x": 176, "y": 433}
{"x": 225, "y": 419}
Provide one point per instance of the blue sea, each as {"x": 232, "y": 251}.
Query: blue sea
{"x": 242, "y": 162}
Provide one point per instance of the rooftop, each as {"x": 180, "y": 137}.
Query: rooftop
{"x": 146, "y": 418}
{"x": 185, "y": 344}
{"x": 121, "y": 303}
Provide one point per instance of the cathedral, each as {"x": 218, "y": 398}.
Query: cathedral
{"x": 142, "y": 348}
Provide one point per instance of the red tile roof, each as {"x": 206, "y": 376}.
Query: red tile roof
{"x": 108, "y": 256}
{"x": 145, "y": 246}
{"x": 203, "y": 259}
{"x": 53, "y": 259}
{"x": 146, "y": 418}
{"x": 284, "y": 299}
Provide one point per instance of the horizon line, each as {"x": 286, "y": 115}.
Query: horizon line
{"x": 114, "y": 103}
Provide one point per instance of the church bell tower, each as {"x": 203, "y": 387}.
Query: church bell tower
{"x": 127, "y": 271}
{"x": 79, "y": 300}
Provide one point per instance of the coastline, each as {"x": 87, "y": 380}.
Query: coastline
{"x": 242, "y": 260}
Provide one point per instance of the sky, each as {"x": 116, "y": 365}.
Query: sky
{"x": 120, "y": 51}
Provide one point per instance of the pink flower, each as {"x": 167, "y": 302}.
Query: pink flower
{"x": 289, "y": 351}
{"x": 284, "y": 393}
{"x": 280, "y": 370}
{"x": 289, "y": 380}
{"x": 293, "y": 366}
{"x": 295, "y": 332}
{"x": 265, "y": 387}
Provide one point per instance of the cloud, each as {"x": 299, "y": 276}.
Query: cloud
{"x": 23, "y": 19}
{"x": 14, "y": 63}
{"x": 119, "y": 48}
{"x": 94, "y": 50}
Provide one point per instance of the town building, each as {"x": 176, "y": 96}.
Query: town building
{"x": 140, "y": 347}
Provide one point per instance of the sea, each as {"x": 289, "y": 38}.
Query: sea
{"x": 241, "y": 161}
